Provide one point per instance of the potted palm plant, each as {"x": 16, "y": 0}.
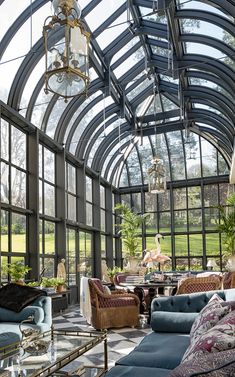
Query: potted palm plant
{"x": 129, "y": 229}
{"x": 227, "y": 228}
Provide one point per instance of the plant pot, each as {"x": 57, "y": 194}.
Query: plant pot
{"x": 59, "y": 288}
{"x": 133, "y": 264}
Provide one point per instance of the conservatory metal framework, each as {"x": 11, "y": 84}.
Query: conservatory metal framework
{"x": 156, "y": 67}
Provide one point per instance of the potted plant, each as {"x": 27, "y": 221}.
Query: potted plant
{"x": 111, "y": 272}
{"x": 17, "y": 271}
{"x": 129, "y": 231}
{"x": 55, "y": 283}
{"x": 227, "y": 228}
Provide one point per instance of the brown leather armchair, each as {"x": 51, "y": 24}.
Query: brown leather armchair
{"x": 112, "y": 310}
{"x": 200, "y": 284}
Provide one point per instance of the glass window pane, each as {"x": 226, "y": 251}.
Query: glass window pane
{"x": 195, "y": 244}
{"x": 18, "y": 147}
{"x": 152, "y": 223}
{"x": 49, "y": 265}
{"x": 164, "y": 201}
{"x": 49, "y": 235}
{"x": 212, "y": 244}
{"x": 71, "y": 178}
{"x": 179, "y": 198}
{"x": 196, "y": 264}
{"x": 164, "y": 222}
{"x": 180, "y": 221}
{"x": 49, "y": 200}
{"x": 194, "y": 197}
{"x": 89, "y": 215}
{"x": 102, "y": 220}
{"x": 49, "y": 165}
{"x": 4, "y": 231}
{"x": 71, "y": 210}
{"x": 88, "y": 189}
{"x": 102, "y": 196}
{"x": 18, "y": 188}
{"x": 195, "y": 220}
{"x": 211, "y": 218}
{"x": 4, "y": 183}
{"x": 136, "y": 202}
{"x": 182, "y": 264}
{"x": 150, "y": 202}
{"x": 4, "y": 129}
{"x": 181, "y": 245}
{"x": 210, "y": 195}
{"x": 18, "y": 229}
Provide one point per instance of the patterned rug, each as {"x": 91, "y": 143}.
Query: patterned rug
{"x": 120, "y": 341}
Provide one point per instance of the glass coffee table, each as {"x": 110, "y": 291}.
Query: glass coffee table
{"x": 54, "y": 354}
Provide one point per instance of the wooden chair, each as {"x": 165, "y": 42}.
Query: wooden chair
{"x": 200, "y": 284}
{"x": 228, "y": 280}
{"x": 113, "y": 310}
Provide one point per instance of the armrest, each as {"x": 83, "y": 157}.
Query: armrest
{"x": 37, "y": 313}
{"x": 44, "y": 302}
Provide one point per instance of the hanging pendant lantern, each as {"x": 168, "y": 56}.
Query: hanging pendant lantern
{"x": 67, "y": 61}
{"x": 157, "y": 176}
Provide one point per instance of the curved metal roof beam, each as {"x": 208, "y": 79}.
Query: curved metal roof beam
{"x": 88, "y": 132}
{"x": 71, "y": 108}
{"x": 78, "y": 119}
{"x": 203, "y": 101}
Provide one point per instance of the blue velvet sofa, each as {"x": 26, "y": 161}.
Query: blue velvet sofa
{"x": 39, "y": 309}
{"x": 162, "y": 350}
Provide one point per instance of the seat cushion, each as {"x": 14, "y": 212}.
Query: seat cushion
{"x": 129, "y": 371}
{"x": 158, "y": 350}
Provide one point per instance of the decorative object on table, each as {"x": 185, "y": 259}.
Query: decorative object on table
{"x": 61, "y": 271}
{"x": 129, "y": 229}
{"x": 154, "y": 258}
{"x": 211, "y": 264}
{"x": 227, "y": 228}
{"x": 16, "y": 271}
{"x": 31, "y": 342}
{"x": 111, "y": 272}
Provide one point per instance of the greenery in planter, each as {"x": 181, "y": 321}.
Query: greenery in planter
{"x": 227, "y": 225}
{"x": 111, "y": 272}
{"x": 16, "y": 270}
{"x": 130, "y": 228}
{"x": 52, "y": 282}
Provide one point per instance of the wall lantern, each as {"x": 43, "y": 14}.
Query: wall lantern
{"x": 67, "y": 60}
{"x": 157, "y": 176}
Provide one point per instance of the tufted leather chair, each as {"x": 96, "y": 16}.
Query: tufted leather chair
{"x": 113, "y": 310}
{"x": 199, "y": 284}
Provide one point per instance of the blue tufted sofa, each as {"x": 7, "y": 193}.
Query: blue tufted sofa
{"x": 40, "y": 309}
{"x": 162, "y": 350}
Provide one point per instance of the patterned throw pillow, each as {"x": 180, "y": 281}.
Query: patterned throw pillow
{"x": 208, "y": 317}
{"x": 207, "y": 365}
{"x": 221, "y": 337}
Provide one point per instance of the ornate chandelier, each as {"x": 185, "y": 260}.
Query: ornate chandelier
{"x": 67, "y": 61}
{"x": 157, "y": 176}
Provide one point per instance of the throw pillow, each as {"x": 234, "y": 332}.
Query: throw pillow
{"x": 218, "y": 338}
{"x": 229, "y": 303}
{"x": 208, "y": 317}
{"x": 16, "y": 297}
{"x": 106, "y": 290}
{"x": 209, "y": 365}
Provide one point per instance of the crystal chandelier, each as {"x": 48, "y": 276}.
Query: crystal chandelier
{"x": 67, "y": 61}
{"x": 157, "y": 176}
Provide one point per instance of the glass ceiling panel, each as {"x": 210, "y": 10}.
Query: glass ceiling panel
{"x": 16, "y": 48}
{"x": 155, "y": 106}
{"x": 147, "y": 14}
{"x": 113, "y": 31}
{"x": 138, "y": 89}
{"x": 207, "y": 28}
{"x": 7, "y": 74}
{"x": 86, "y": 120}
{"x": 101, "y": 12}
{"x": 106, "y": 131}
{"x": 192, "y": 156}
{"x": 209, "y": 159}
{"x": 146, "y": 155}
{"x": 202, "y": 49}
{"x": 169, "y": 79}
{"x": 134, "y": 168}
{"x": 168, "y": 104}
{"x": 55, "y": 115}
{"x": 124, "y": 49}
{"x": 32, "y": 82}
{"x": 203, "y": 6}
{"x": 176, "y": 155}
{"x": 211, "y": 108}
{"x": 7, "y": 18}
{"x": 78, "y": 111}
{"x": 210, "y": 84}
{"x": 159, "y": 51}
{"x": 40, "y": 108}
{"x": 129, "y": 62}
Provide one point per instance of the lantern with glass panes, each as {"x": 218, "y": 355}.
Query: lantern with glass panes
{"x": 67, "y": 59}
{"x": 157, "y": 176}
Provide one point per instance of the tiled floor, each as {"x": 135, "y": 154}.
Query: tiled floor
{"x": 120, "y": 341}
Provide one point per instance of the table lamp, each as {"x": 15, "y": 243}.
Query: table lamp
{"x": 211, "y": 264}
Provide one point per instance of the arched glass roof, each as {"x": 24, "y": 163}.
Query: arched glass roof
{"x": 157, "y": 68}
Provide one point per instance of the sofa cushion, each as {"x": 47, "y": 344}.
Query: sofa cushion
{"x": 218, "y": 338}
{"x": 208, "y": 317}
{"x": 36, "y": 312}
{"x": 172, "y": 322}
{"x": 209, "y": 365}
{"x": 127, "y": 371}
{"x": 15, "y": 297}
{"x": 158, "y": 350}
